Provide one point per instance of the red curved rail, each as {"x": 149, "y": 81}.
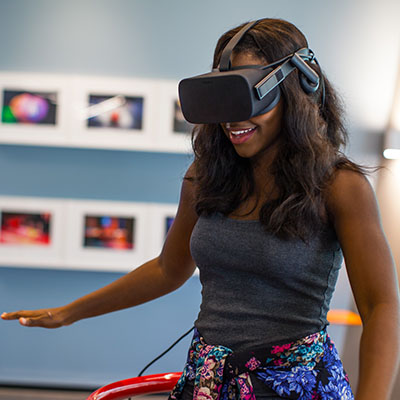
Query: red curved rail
{"x": 140, "y": 385}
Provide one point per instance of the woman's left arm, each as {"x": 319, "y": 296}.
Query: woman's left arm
{"x": 353, "y": 208}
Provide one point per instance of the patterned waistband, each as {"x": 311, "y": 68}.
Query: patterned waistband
{"x": 305, "y": 368}
{"x": 306, "y": 352}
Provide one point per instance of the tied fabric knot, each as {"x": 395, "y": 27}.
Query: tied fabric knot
{"x": 308, "y": 368}
{"x": 214, "y": 376}
{"x": 210, "y": 372}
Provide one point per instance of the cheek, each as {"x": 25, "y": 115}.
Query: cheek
{"x": 272, "y": 120}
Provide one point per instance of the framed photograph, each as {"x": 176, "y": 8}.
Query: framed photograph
{"x": 106, "y": 235}
{"x": 118, "y": 113}
{"x": 34, "y": 108}
{"x": 174, "y": 132}
{"x": 31, "y": 231}
{"x": 92, "y": 112}
{"x": 162, "y": 218}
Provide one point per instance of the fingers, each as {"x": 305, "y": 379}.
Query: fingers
{"x": 45, "y": 321}
{"x": 40, "y": 318}
{"x": 17, "y": 314}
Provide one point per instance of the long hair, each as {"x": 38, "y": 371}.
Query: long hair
{"x": 309, "y": 153}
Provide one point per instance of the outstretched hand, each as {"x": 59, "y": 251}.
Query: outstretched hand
{"x": 45, "y": 318}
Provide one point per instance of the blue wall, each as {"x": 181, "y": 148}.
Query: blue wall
{"x": 95, "y": 351}
{"x": 156, "y": 39}
{"x": 91, "y": 174}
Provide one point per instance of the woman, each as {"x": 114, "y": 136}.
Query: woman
{"x": 267, "y": 209}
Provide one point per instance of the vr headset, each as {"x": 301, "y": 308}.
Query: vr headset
{"x": 237, "y": 94}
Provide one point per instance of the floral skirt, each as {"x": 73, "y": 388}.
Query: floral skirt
{"x": 307, "y": 368}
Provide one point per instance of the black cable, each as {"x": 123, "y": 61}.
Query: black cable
{"x": 166, "y": 351}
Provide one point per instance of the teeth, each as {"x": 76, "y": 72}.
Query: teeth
{"x": 242, "y": 131}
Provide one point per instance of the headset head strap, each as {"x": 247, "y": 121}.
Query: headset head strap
{"x": 225, "y": 63}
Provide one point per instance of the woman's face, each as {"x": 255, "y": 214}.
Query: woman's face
{"x": 258, "y": 136}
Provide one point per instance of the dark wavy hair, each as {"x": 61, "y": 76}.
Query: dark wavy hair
{"x": 309, "y": 153}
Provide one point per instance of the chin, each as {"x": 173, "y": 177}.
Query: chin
{"x": 246, "y": 153}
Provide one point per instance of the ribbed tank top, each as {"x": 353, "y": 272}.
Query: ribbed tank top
{"x": 258, "y": 289}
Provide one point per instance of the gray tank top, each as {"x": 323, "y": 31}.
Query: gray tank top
{"x": 258, "y": 289}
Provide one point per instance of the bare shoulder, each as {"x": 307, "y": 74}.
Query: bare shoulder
{"x": 175, "y": 255}
{"x": 346, "y": 182}
{"x": 350, "y": 193}
{"x": 188, "y": 186}
{"x": 191, "y": 172}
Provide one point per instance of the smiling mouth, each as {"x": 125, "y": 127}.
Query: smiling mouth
{"x": 242, "y": 135}
{"x": 241, "y": 132}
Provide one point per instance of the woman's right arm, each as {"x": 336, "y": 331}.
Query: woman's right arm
{"x": 153, "y": 279}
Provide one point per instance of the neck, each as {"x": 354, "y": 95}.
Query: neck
{"x": 262, "y": 166}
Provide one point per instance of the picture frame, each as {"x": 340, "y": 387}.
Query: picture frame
{"x": 31, "y": 232}
{"x": 113, "y": 113}
{"x": 92, "y": 235}
{"x": 106, "y": 235}
{"x": 133, "y": 114}
{"x": 174, "y": 132}
{"x": 34, "y": 108}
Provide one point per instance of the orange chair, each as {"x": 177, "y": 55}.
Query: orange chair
{"x": 344, "y": 317}
{"x": 141, "y": 385}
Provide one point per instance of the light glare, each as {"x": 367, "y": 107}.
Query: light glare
{"x": 391, "y": 154}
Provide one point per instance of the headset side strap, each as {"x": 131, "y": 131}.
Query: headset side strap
{"x": 273, "y": 79}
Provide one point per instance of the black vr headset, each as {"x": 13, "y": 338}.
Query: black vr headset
{"x": 237, "y": 94}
